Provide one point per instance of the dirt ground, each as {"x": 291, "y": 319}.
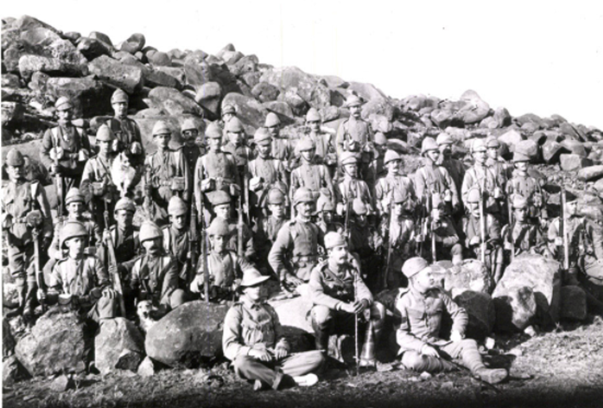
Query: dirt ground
{"x": 563, "y": 368}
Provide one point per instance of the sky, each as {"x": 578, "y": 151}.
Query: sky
{"x": 542, "y": 57}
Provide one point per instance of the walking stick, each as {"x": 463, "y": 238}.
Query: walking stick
{"x": 356, "y": 346}
{"x": 482, "y": 225}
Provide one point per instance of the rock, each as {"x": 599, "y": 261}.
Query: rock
{"x": 127, "y": 77}
{"x": 160, "y": 59}
{"x": 575, "y": 147}
{"x": 573, "y": 162}
{"x": 197, "y": 72}
{"x": 62, "y": 383}
{"x": 39, "y": 36}
{"x": 329, "y": 114}
{"x": 208, "y": 96}
{"x": 11, "y": 57}
{"x": 265, "y": 92}
{"x": 551, "y": 151}
{"x": 304, "y": 85}
{"x": 10, "y": 81}
{"x": 12, "y": 112}
{"x": 55, "y": 345}
{"x": 244, "y": 65}
{"x": 511, "y": 138}
{"x": 573, "y": 303}
{"x": 8, "y": 341}
{"x": 475, "y": 110}
{"x": 115, "y": 343}
{"x": 530, "y": 118}
{"x": 251, "y": 78}
{"x": 13, "y": 371}
{"x": 26, "y": 23}
{"x": 89, "y": 97}
{"x": 441, "y": 117}
{"x": 296, "y": 325}
{"x": 175, "y": 72}
{"x": 250, "y": 111}
{"x": 527, "y": 147}
{"x": 378, "y": 106}
{"x": 529, "y": 281}
{"x": 297, "y": 104}
{"x": 154, "y": 78}
{"x": 92, "y": 48}
{"x": 571, "y": 132}
{"x": 500, "y": 119}
{"x": 65, "y": 51}
{"x": 133, "y": 44}
{"x": 366, "y": 91}
{"x": 187, "y": 335}
{"x": 96, "y": 35}
{"x": 481, "y": 311}
{"x": 590, "y": 173}
{"x": 282, "y": 109}
{"x": 173, "y": 102}
{"x": 470, "y": 275}
{"x": 146, "y": 368}
{"x": 28, "y": 64}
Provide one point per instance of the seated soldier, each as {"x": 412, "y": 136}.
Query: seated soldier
{"x": 252, "y": 341}
{"x": 447, "y": 242}
{"x": 223, "y": 266}
{"x": 421, "y": 308}
{"x": 526, "y": 236}
{"x": 80, "y": 280}
{"x": 154, "y": 275}
{"x": 176, "y": 237}
{"x": 221, "y": 202}
{"x": 267, "y": 226}
{"x": 339, "y": 294}
{"x": 493, "y": 255}
{"x": 364, "y": 240}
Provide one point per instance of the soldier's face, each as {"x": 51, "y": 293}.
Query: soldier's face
{"x": 308, "y": 155}
{"x": 521, "y": 214}
{"x": 254, "y": 293}
{"x": 223, "y": 211}
{"x": 104, "y": 147}
{"x": 162, "y": 141}
{"x": 399, "y": 209}
{"x": 227, "y": 116}
{"x": 64, "y": 115}
{"x": 433, "y": 155}
{"x": 327, "y": 216}
{"x": 446, "y": 149}
{"x": 339, "y": 254}
{"x": 120, "y": 109}
{"x": 178, "y": 221}
{"x": 274, "y": 130}
{"x": 235, "y": 138}
{"x": 215, "y": 143}
{"x": 263, "y": 149}
{"x": 360, "y": 219}
{"x": 218, "y": 242}
{"x": 480, "y": 157}
{"x": 152, "y": 246}
{"x": 314, "y": 125}
{"x": 75, "y": 246}
{"x": 493, "y": 152}
{"x": 124, "y": 218}
{"x": 355, "y": 111}
{"x": 521, "y": 166}
{"x": 76, "y": 208}
{"x": 277, "y": 210}
{"x": 306, "y": 209}
{"x": 424, "y": 279}
{"x": 351, "y": 169}
{"x": 393, "y": 166}
{"x": 572, "y": 207}
{"x": 190, "y": 136}
{"x": 16, "y": 173}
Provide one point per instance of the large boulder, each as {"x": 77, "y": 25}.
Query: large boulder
{"x": 92, "y": 48}
{"x": 197, "y": 72}
{"x": 13, "y": 371}
{"x": 294, "y": 317}
{"x": 367, "y": 92}
{"x": 529, "y": 281}
{"x": 305, "y": 85}
{"x": 127, "y": 77}
{"x": 591, "y": 173}
{"x": 153, "y": 77}
{"x": 481, "y": 312}
{"x": 475, "y": 110}
{"x": 296, "y": 102}
{"x": 96, "y": 35}
{"x": 378, "y": 106}
{"x": 188, "y": 335}
{"x": 265, "y": 92}
{"x": 8, "y": 341}
{"x": 573, "y": 162}
{"x": 39, "y": 36}
{"x": 133, "y": 44}
{"x": 173, "y": 101}
{"x": 29, "y": 64}
{"x": 251, "y": 112}
{"x": 118, "y": 345}
{"x": 208, "y": 96}
{"x": 55, "y": 345}
{"x": 573, "y": 303}
{"x": 511, "y": 138}
{"x": 89, "y": 96}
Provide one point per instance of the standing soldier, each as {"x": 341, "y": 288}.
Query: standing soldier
{"x": 154, "y": 276}
{"x": 352, "y": 187}
{"x": 433, "y": 179}
{"x": 166, "y": 172}
{"x": 228, "y": 112}
{"x": 65, "y": 150}
{"x": 237, "y": 145}
{"x": 422, "y": 307}
{"x": 281, "y": 147}
{"x": 192, "y": 147}
{"x": 340, "y": 296}
{"x": 176, "y": 237}
{"x": 267, "y": 227}
{"x": 126, "y": 130}
{"x": 355, "y": 135}
{"x": 529, "y": 188}
{"x": 25, "y": 218}
{"x": 378, "y": 168}
{"x": 481, "y": 177}
{"x": 325, "y": 146}
{"x": 295, "y": 251}
{"x": 311, "y": 175}
{"x": 523, "y": 235}
{"x": 472, "y": 224}
{"x": 496, "y": 163}
{"x": 216, "y": 170}
{"x": 97, "y": 180}
{"x": 393, "y": 181}
{"x": 455, "y": 168}
{"x": 265, "y": 172}
{"x": 443, "y": 231}
{"x": 364, "y": 240}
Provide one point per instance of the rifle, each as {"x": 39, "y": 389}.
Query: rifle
{"x": 356, "y": 332}
{"x": 564, "y": 230}
{"x": 389, "y": 241}
{"x": 240, "y": 250}
{"x": 112, "y": 260}
{"x": 246, "y": 192}
{"x": 192, "y": 244}
{"x": 482, "y": 224}
{"x": 36, "y": 235}
{"x": 58, "y": 180}
{"x": 510, "y": 228}
{"x": 433, "y": 227}
{"x": 148, "y": 200}
{"x": 203, "y": 250}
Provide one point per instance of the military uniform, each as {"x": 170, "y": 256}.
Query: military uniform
{"x": 127, "y": 132}
{"x": 255, "y": 326}
{"x": 354, "y": 134}
{"x": 528, "y": 187}
{"x": 163, "y": 167}
{"x": 399, "y": 234}
{"x": 386, "y": 186}
{"x": 526, "y": 237}
{"x": 455, "y": 168}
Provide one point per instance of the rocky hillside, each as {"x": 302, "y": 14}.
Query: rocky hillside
{"x": 41, "y": 63}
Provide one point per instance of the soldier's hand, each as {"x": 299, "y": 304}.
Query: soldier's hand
{"x": 262, "y": 355}
{"x": 348, "y": 308}
{"x": 280, "y": 353}
{"x": 558, "y": 241}
{"x": 508, "y": 246}
{"x": 235, "y": 190}
{"x": 419, "y": 238}
{"x": 195, "y": 285}
{"x": 475, "y": 241}
{"x": 55, "y": 170}
{"x": 41, "y": 295}
{"x": 46, "y": 241}
{"x": 339, "y": 209}
{"x": 429, "y": 351}
{"x": 112, "y": 270}
{"x": 106, "y": 236}
{"x": 455, "y": 337}
{"x": 360, "y": 306}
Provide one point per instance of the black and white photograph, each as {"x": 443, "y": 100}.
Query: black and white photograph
{"x": 302, "y": 204}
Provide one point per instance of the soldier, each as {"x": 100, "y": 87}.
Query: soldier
{"x": 295, "y": 251}
{"x": 266, "y": 228}
{"x": 528, "y": 187}
{"x": 224, "y": 267}
{"x": 154, "y": 276}
{"x": 80, "y": 280}
{"x": 126, "y": 130}
{"x": 25, "y": 218}
{"x": 447, "y": 241}
{"x": 216, "y": 170}
{"x": 498, "y": 166}
{"x": 222, "y": 208}
{"x": 309, "y": 174}
{"x": 377, "y": 168}
{"x": 364, "y": 240}
{"x": 352, "y": 187}
{"x": 398, "y": 232}
{"x": 252, "y": 341}
{"x": 192, "y": 148}
{"x": 421, "y": 308}
{"x": 281, "y": 147}
{"x": 526, "y": 236}
{"x": 592, "y": 256}
{"x": 97, "y": 180}
{"x": 176, "y": 237}
{"x": 237, "y": 145}
{"x": 480, "y": 176}
{"x": 339, "y": 295}
{"x": 433, "y": 179}
{"x": 65, "y": 150}
{"x": 355, "y": 135}
{"x": 166, "y": 172}
{"x": 325, "y": 147}
{"x": 228, "y": 112}
{"x": 325, "y": 212}
{"x": 265, "y": 172}
{"x": 455, "y": 168}
{"x": 492, "y": 234}
{"x": 393, "y": 181}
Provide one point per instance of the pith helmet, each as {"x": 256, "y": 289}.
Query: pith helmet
{"x": 306, "y": 144}
{"x": 177, "y": 206}
{"x": 380, "y": 139}
{"x": 252, "y": 277}
{"x": 234, "y": 125}
{"x": 391, "y": 155}
{"x": 313, "y": 115}
{"x": 188, "y": 124}
{"x": 413, "y": 266}
{"x": 228, "y": 109}
{"x": 444, "y": 138}
{"x": 73, "y": 196}
{"x": 473, "y": 196}
{"x": 218, "y": 227}
{"x": 119, "y": 96}
{"x": 324, "y": 203}
{"x": 72, "y": 229}
{"x": 520, "y": 157}
{"x": 272, "y": 120}
{"x": 219, "y": 197}
{"x": 428, "y": 144}
{"x": 104, "y": 134}
{"x": 478, "y": 146}
{"x": 303, "y": 195}
{"x": 492, "y": 142}
{"x": 214, "y": 131}
{"x": 262, "y": 136}
{"x": 334, "y": 239}
{"x": 63, "y": 103}
{"x": 519, "y": 201}
{"x": 348, "y": 158}
{"x": 161, "y": 128}
{"x": 15, "y": 158}
{"x": 353, "y": 100}
{"x": 275, "y": 196}
{"x": 149, "y": 230}
{"x": 125, "y": 204}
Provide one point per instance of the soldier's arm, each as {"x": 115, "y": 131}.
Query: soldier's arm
{"x": 281, "y": 342}
{"x": 54, "y": 252}
{"x": 47, "y": 145}
{"x": 183, "y": 171}
{"x": 317, "y": 293}
{"x": 458, "y": 314}
{"x": 404, "y": 336}
{"x": 494, "y": 233}
{"x": 596, "y": 233}
{"x": 327, "y": 179}
{"x": 232, "y": 341}
{"x": 44, "y": 207}
{"x": 170, "y": 281}
{"x": 102, "y": 280}
{"x": 453, "y": 188}
{"x": 276, "y": 257}
{"x": 198, "y": 177}
{"x": 362, "y": 291}
{"x": 419, "y": 184}
{"x": 56, "y": 282}
{"x": 467, "y": 185}
{"x": 450, "y": 236}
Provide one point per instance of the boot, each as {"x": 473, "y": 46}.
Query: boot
{"x": 491, "y": 375}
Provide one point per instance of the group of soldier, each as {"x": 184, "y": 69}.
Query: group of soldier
{"x": 230, "y": 219}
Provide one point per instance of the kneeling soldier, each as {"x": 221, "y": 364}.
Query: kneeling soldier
{"x": 80, "y": 280}
{"x": 421, "y": 307}
{"x": 252, "y": 341}
{"x": 339, "y": 294}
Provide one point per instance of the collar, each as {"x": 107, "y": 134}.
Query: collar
{"x": 252, "y": 305}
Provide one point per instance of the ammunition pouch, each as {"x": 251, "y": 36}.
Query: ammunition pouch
{"x": 177, "y": 184}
